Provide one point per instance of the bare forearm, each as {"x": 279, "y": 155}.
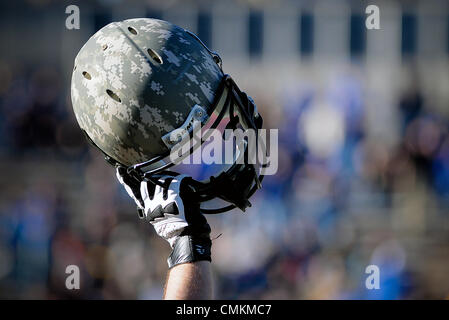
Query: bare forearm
{"x": 189, "y": 281}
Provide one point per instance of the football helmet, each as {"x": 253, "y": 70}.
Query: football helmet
{"x": 137, "y": 81}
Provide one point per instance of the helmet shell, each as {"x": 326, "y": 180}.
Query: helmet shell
{"x": 136, "y": 80}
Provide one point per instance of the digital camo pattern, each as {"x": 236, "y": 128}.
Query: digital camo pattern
{"x": 126, "y": 97}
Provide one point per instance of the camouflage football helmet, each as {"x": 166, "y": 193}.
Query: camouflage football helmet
{"x": 137, "y": 81}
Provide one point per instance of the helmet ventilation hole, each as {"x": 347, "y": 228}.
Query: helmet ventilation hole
{"x": 113, "y": 95}
{"x": 104, "y": 47}
{"x": 132, "y": 30}
{"x": 153, "y": 54}
{"x": 87, "y": 75}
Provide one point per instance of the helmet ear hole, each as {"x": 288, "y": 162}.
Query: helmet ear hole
{"x": 132, "y": 30}
{"x": 217, "y": 59}
{"x": 153, "y": 54}
{"x": 87, "y": 75}
{"x": 113, "y": 95}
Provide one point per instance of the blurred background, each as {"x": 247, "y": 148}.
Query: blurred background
{"x": 363, "y": 156}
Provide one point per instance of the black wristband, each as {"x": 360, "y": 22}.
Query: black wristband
{"x": 189, "y": 248}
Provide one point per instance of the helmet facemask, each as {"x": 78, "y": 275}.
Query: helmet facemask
{"x": 232, "y": 182}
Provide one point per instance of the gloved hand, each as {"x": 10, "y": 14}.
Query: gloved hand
{"x": 169, "y": 205}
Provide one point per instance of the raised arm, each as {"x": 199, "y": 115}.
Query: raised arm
{"x": 191, "y": 281}
{"x": 168, "y": 203}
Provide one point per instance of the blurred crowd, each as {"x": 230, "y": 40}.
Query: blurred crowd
{"x": 342, "y": 199}
{"x": 339, "y": 202}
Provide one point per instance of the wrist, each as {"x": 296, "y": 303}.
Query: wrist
{"x": 190, "y": 248}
